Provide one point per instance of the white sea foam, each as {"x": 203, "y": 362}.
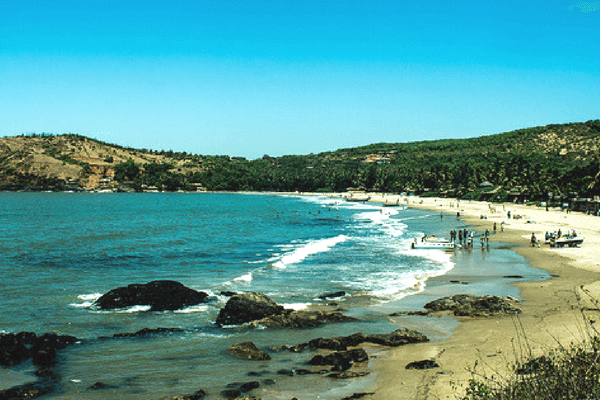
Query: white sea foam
{"x": 244, "y": 278}
{"x": 312, "y": 247}
{"x": 89, "y": 297}
{"x": 296, "y": 306}
{"x": 133, "y": 309}
{"x": 192, "y": 309}
{"x": 85, "y": 304}
{"x": 87, "y": 300}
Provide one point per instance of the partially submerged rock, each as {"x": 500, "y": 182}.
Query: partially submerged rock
{"x": 340, "y": 360}
{"x": 149, "y": 331}
{"x": 259, "y": 310}
{"x": 200, "y": 394}
{"x": 397, "y": 338}
{"x": 248, "y": 351}
{"x": 16, "y": 348}
{"x": 474, "y": 306}
{"x": 159, "y": 295}
{"x": 29, "y": 391}
{"x": 247, "y": 307}
{"x": 325, "y": 296}
{"x": 302, "y": 319}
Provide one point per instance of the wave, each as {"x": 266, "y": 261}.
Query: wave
{"x": 87, "y": 300}
{"x": 244, "y": 278}
{"x": 133, "y": 309}
{"x": 312, "y": 247}
{"x": 192, "y": 309}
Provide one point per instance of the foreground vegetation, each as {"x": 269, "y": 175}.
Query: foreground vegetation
{"x": 526, "y": 164}
{"x": 568, "y": 372}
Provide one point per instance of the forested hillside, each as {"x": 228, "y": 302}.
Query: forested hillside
{"x": 526, "y": 164}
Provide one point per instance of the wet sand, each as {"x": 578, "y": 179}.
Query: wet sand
{"x": 551, "y": 308}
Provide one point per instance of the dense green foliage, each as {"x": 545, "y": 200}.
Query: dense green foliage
{"x": 526, "y": 164}
{"x": 560, "y": 159}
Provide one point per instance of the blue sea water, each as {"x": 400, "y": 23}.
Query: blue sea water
{"x": 61, "y": 251}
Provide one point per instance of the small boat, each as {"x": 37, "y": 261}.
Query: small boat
{"x": 569, "y": 239}
{"x": 566, "y": 241}
{"x": 433, "y": 244}
{"x": 358, "y": 198}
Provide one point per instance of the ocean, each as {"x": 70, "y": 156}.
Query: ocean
{"x": 62, "y": 251}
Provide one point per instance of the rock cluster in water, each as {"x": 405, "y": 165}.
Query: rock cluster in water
{"x": 16, "y": 348}
{"x": 159, "y": 295}
{"x": 258, "y": 309}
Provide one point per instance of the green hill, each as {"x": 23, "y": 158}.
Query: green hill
{"x": 526, "y": 164}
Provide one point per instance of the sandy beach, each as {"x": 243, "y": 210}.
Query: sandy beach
{"x": 550, "y": 316}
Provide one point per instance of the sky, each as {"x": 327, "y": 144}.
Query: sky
{"x": 249, "y": 78}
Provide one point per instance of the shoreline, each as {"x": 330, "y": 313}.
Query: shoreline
{"x": 550, "y": 308}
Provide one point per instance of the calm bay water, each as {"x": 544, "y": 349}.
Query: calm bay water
{"x": 61, "y": 251}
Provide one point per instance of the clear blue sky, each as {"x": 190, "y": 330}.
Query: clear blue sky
{"x": 247, "y": 78}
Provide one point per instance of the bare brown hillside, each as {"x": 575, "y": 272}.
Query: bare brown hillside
{"x": 79, "y": 162}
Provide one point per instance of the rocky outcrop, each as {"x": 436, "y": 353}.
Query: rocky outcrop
{"x": 247, "y": 307}
{"x": 302, "y": 319}
{"x": 159, "y": 295}
{"x": 474, "y": 306}
{"x": 258, "y": 309}
{"x": 30, "y": 391}
{"x": 248, "y": 351}
{"x": 325, "y": 296}
{"x": 16, "y": 348}
{"x": 340, "y": 360}
{"x": 423, "y": 364}
{"x": 397, "y": 338}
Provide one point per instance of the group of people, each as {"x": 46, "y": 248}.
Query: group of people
{"x": 551, "y": 237}
{"x": 466, "y": 237}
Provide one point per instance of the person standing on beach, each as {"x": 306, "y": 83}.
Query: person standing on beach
{"x": 533, "y": 240}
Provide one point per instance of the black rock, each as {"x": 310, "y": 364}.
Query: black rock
{"x": 101, "y": 386}
{"x": 16, "y": 348}
{"x": 248, "y": 351}
{"x": 247, "y": 307}
{"x": 149, "y": 331}
{"x": 30, "y": 391}
{"x": 200, "y": 394}
{"x": 248, "y": 386}
{"x": 397, "y": 338}
{"x": 230, "y": 393}
{"x": 332, "y": 295}
{"x": 340, "y": 360}
{"x": 287, "y": 372}
{"x": 423, "y": 364}
{"x": 160, "y": 295}
{"x": 302, "y": 319}
{"x": 12, "y": 350}
{"x": 347, "y": 375}
{"x": 357, "y": 396}
{"x": 417, "y": 313}
{"x": 474, "y": 306}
